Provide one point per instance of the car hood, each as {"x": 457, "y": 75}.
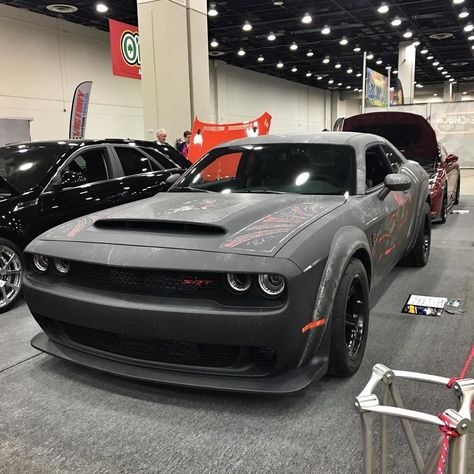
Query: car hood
{"x": 258, "y": 224}
{"x": 410, "y": 133}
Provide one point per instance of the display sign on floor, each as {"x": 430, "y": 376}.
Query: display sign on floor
{"x": 125, "y": 49}
{"x": 425, "y": 305}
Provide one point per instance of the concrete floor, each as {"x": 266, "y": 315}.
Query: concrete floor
{"x": 58, "y": 417}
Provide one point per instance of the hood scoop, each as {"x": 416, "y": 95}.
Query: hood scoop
{"x": 162, "y": 227}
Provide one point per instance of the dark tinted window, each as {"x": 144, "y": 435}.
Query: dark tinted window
{"x": 293, "y": 168}
{"x": 178, "y": 160}
{"x": 90, "y": 164}
{"x": 163, "y": 160}
{"x": 25, "y": 166}
{"x": 132, "y": 160}
{"x": 376, "y": 166}
{"x": 393, "y": 158}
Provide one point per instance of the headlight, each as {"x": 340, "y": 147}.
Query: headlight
{"x": 41, "y": 263}
{"x": 271, "y": 285}
{"x": 239, "y": 282}
{"x": 61, "y": 265}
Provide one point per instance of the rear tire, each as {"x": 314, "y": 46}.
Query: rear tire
{"x": 11, "y": 274}
{"x": 420, "y": 254}
{"x": 350, "y": 321}
{"x": 458, "y": 191}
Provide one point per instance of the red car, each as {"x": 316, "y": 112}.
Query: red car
{"x": 415, "y": 138}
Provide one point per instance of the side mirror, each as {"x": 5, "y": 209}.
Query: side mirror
{"x": 70, "y": 178}
{"x": 395, "y": 182}
{"x": 172, "y": 179}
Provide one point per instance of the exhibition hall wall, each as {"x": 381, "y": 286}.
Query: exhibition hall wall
{"x": 51, "y": 57}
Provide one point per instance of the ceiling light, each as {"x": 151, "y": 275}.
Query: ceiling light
{"x": 451, "y": 80}
{"x": 396, "y": 21}
{"x": 350, "y": 71}
{"x": 212, "y": 10}
{"x": 241, "y": 52}
{"x": 407, "y": 34}
{"x": 470, "y": 38}
{"x": 62, "y": 8}
{"x": 424, "y": 51}
{"x": 326, "y": 60}
{"x": 383, "y": 8}
{"x": 395, "y": 71}
{"x": 348, "y": 87}
{"x": 214, "y": 43}
{"x": 278, "y": 3}
{"x": 435, "y": 94}
{"x": 356, "y": 90}
{"x": 464, "y": 14}
{"x": 343, "y": 41}
{"x": 448, "y": 76}
{"x": 379, "y": 61}
{"x": 416, "y": 43}
{"x": 469, "y": 27}
{"x": 359, "y": 74}
{"x": 435, "y": 63}
{"x": 326, "y": 30}
{"x": 271, "y": 36}
{"x": 388, "y": 67}
{"x": 308, "y": 74}
{"x": 247, "y": 26}
{"x": 319, "y": 78}
{"x": 440, "y": 68}
{"x": 420, "y": 86}
{"x": 330, "y": 81}
{"x": 444, "y": 73}
{"x": 306, "y": 19}
{"x": 101, "y": 8}
{"x": 464, "y": 93}
{"x": 458, "y": 2}
{"x": 310, "y": 53}
{"x": 430, "y": 57}
{"x": 280, "y": 65}
{"x": 260, "y": 59}
{"x": 294, "y": 69}
{"x": 370, "y": 56}
{"x": 339, "y": 84}
{"x": 337, "y": 66}
{"x": 293, "y": 46}
{"x": 356, "y": 49}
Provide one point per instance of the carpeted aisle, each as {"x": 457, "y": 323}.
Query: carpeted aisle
{"x": 57, "y": 417}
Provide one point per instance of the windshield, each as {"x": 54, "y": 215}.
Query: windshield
{"x": 25, "y": 166}
{"x": 276, "y": 168}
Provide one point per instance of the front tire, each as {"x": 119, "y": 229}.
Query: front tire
{"x": 11, "y": 274}
{"x": 443, "y": 215}
{"x": 350, "y": 321}
{"x": 420, "y": 253}
{"x": 458, "y": 191}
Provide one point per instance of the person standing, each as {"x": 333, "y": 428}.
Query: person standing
{"x": 161, "y": 136}
{"x": 183, "y": 148}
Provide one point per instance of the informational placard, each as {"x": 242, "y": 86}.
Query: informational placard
{"x": 125, "y": 49}
{"x": 376, "y": 89}
{"x": 425, "y": 305}
{"x": 79, "y": 110}
{"x": 206, "y": 136}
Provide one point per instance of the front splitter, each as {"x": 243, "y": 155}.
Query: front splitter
{"x": 288, "y": 382}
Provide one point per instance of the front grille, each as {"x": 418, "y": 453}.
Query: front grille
{"x": 166, "y": 283}
{"x": 169, "y": 351}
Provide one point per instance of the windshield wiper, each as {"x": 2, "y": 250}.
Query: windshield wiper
{"x": 189, "y": 188}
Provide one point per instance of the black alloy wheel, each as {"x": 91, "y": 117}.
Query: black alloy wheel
{"x": 355, "y": 318}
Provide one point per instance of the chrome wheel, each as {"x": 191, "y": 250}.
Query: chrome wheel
{"x": 11, "y": 273}
{"x": 354, "y": 318}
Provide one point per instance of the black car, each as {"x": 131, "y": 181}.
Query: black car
{"x": 43, "y": 184}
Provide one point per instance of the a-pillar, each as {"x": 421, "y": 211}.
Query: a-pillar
{"x": 174, "y": 64}
{"x": 406, "y": 69}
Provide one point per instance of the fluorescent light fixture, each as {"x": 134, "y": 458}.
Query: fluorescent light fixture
{"x": 350, "y": 71}
{"x": 424, "y": 51}
{"x": 338, "y": 66}
{"x": 470, "y": 38}
{"x": 444, "y": 73}
{"x": 436, "y": 63}
{"x": 468, "y": 28}
{"x": 430, "y": 57}
{"x": 271, "y": 36}
{"x": 440, "y": 68}
{"x": 247, "y": 26}
{"x": 420, "y": 86}
{"x": 326, "y": 30}
{"x": 331, "y": 81}
{"x": 101, "y": 8}
{"x": 326, "y": 60}
{"x": 359, "y": 74}
{"x": 348, "y": 87}
{"x": 308, "y": 74}
{"x": 214, "y": 43}
{"x": 319, "y": 78}
{"x": 395, "y": 71}
{"x": 306, "y": 19}
{"x": 416, "y": 43}
{"x": 464, "y": 14}
{"x": 370, "y": 56}
{"x": 339, "y": 84}
{"x": 451, "y": 80}
{"x": 458, "y": 2}
{"x": 212, "y": 10}
{"x": 357, "y": 49}
{"x": 379, "y": 61}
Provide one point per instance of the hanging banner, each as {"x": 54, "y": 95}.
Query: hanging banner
{"x": 376, "y": 89}
{"x": 396, "y": 95}
{"x": 208, "y": 135}
{"x": 79, "y": 109}
{"x": 125, "y": 48}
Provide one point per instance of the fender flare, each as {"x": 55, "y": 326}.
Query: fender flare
{"x": 347, "y": 241}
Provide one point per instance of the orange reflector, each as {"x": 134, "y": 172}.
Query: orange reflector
{"x": 314, "y": 324}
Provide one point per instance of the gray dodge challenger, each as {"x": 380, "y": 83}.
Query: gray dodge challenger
{"x": 251, "y": 274}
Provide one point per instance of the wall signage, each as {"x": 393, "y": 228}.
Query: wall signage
{"x": 125, "y": 48}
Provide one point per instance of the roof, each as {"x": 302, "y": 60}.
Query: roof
{"x": 335, "y": 138}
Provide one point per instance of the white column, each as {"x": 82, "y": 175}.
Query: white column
{"x": 175, "y": 66}
{"x": 447, "y": 91}
{"x": 406, "y": 69}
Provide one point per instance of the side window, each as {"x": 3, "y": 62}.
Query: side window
{"x": 376, "y": 167}
{"x": 132, "y": 160}
{"x": 393, "y": 158}
{"x": 88, "y": 167}
{"x": 163, "y": 161}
